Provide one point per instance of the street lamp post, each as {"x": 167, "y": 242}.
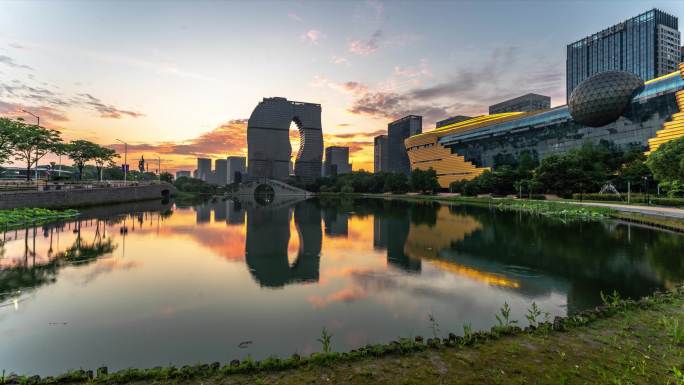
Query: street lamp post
{"x": 159, "y": 168}
{"x": 38, "y": 125}
{"x": 125, "y": 161}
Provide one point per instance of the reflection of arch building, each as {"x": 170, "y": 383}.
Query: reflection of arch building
{"x": 268, "y": 140}
{"x": 268, "y": 236}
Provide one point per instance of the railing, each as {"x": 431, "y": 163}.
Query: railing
{"x": 14, "y": 185}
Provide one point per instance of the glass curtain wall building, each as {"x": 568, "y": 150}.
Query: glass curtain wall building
{"x": 397, "y": 132}
{"x": 647, "y": 45}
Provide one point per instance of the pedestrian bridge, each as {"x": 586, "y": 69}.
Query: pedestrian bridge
{"x": 265, "y": 191}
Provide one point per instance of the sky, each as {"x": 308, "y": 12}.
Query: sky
{"x": 178, "y": 80}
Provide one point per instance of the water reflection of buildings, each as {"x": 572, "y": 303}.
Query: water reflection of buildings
{"x": 268, "y": 237}
{"x": 336, "y": 223}
{"x": 230, "y": 211}
{"x": 390, "y": 231}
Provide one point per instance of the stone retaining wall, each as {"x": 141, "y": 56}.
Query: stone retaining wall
{"x": 84, "y": 197}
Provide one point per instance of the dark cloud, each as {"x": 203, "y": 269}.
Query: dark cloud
{"x": 468, "y": 91}
{"x": 47, "y": 114}
{"x": 47, "y": 98}
{"x": 391, "y": 105}
{"x": 106, "y": 111}
{"x": 10, "y": 62}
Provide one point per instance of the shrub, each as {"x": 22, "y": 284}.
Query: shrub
{"x": 346, "y": 189}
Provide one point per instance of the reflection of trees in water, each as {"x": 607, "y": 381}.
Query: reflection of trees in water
{"x": 268, "y": 236}
{"x": 592, "y": 256}
{"x": 32, "y": 275}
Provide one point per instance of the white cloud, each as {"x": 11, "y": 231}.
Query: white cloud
{"x": 313, "y": 36}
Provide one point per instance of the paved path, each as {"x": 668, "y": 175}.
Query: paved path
{"x": 669, "y": 212}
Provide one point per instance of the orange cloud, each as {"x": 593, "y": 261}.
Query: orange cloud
{"x": 348, "y": 294}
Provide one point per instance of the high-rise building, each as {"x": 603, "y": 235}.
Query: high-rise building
{"x": 380, "y": 153}
{"x": 525, "y": 103}
{"x": 451, "y": 120}
{"x": 221, "y": 171}
{"x": 203, "y": 169}
{"x": 646, "y": 45}
{"x": 182, "y": 173}
{"x": 336, "y": 161}
{"x": 397, "y": 132}
{"x": 236, "y": 169}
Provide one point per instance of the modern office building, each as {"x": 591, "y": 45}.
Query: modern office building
{"x": 268, "y": 140}
{"x": 336, "y": 161}
{"x": 183, "y": 173}
{"x": 380, "y": 158}
{"x": 397, "y": 132}
{"x": 236, "y": 169}
{"x": 203, "y": 169}
{"x": 647, "y": 45}
{"x": 451, "y": 120}
{"x": 525, "y": 103}
{"x": 614, "y": 108}
{"x": 221, "y": 171}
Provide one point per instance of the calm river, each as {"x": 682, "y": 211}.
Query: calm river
{"x": 153, "y": 284}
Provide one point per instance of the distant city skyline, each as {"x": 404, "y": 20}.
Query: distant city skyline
{"x": 180, "y": 79}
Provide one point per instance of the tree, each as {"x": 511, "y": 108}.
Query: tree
{"x": 7, "y": 129}
{"x": 396, "y": 183}
{"x": 424, "y": 180}
{"x": 578, "y": 170}
{"x": 667, "y": 162}
{"x": 32, "y": 142}
{"x": 82, "y": 152}
{"x": 104, "y": 156}
{"x": 166, "y": 177}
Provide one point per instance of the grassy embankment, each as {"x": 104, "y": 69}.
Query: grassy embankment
{"x": 620, "y": 342}
{"x": 557, "y": 209}
{"x": 10, "y": 219}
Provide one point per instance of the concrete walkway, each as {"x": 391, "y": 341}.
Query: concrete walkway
{"x": 669, "y": 212}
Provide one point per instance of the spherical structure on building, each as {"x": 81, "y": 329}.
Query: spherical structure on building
{"x": 603, "y": 97}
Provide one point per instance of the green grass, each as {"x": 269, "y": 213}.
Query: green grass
{"x": 31, "y": 216}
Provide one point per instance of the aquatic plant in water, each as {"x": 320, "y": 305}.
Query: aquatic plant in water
{"x": 27, "y": 216}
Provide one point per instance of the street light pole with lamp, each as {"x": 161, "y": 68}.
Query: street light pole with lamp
{"x": 125, "y": 167}
{"x": 159, "y": 168}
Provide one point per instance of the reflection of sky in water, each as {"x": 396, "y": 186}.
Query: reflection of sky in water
{"x": 189, "y": 285}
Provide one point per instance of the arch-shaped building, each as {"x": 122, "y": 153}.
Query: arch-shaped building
{"x": 268, "y": 140}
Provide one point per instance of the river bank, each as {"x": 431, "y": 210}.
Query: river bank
{"x": 622, "y": 341}
{"x": 559, "y": 209}
{"x": 86, "y": 196}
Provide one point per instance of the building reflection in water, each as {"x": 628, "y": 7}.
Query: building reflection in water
{"x": 281, "y": 244}
{"x": 336, "y": 223}
{"x": 391, "y": 224}
{"x": 268, "y": 237}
